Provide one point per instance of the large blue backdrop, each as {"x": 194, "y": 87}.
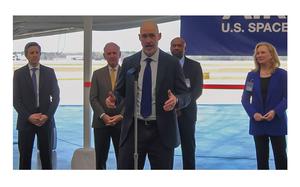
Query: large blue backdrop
{"x": 233, "y": 35}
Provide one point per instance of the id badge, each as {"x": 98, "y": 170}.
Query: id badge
{"x": 188, "y": 83}
{"x": 249, "y": 86}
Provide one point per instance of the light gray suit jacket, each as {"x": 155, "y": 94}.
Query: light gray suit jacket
{"x": 101, "y": 85}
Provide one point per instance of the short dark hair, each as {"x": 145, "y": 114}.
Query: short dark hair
{"x": 30, "y": 44}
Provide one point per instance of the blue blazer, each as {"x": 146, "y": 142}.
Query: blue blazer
{"x": 276, "y": 100}
{"x": 24, "y": 97}
{"x": 169, "y": 76}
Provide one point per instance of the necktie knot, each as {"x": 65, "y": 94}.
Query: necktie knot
{"x": 34, "y": 69}
{"x": 148, "y": 60}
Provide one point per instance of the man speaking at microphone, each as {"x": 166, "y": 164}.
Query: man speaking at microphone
{"x": 161, "y": 88}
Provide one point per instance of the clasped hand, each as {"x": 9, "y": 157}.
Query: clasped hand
{"x": 268, "y": 116}
{"x": 38, "y": 119}
{"x": 111, "y": 120}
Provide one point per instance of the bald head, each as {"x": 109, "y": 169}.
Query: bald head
{"x": 178, "y": 40}
{"x": 149, "y": 37}
{"x": 149, "y": 26}
{"x": 177, "y": 47}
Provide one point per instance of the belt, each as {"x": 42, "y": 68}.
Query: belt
{"x": 147, "y": 122}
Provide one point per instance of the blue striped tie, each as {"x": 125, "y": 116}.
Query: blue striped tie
{"x": 146, "y": 101}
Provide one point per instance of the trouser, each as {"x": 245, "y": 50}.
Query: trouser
{"x": 188, "y": 145}
{"x": 102, "y": 138}
{"x": 149, "y": 144}
{"x": 262, "y": 151}
{"x": 25, "y": 144}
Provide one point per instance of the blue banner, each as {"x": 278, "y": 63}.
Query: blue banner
{"x": 233, "y": 35}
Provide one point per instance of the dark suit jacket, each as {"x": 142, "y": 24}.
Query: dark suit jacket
{"x": 101, "y": 85}
{"x": 169, "y": 76}
{"x": 276, "y": 100}
{"x": 24, "y": 98}
{"x": 193, "y": 72}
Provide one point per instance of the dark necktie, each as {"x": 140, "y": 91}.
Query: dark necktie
{"x": 146, "y": 101}
{"x": 33, "y": 77}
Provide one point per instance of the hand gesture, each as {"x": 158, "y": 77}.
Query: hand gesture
{"x": 116, "y": 119}
{"x": 107, "y": 119}
{"x": 111, "y": 120}
{"x": 110, "y": 101}
{"x": 270, "y": 115}
{"x": 258, "y": 117}
{"x": 38, "y": 119}
{"x": 35, "y": 119}
{"x": 43, "y": 119}
{"x": 171, "y": 102}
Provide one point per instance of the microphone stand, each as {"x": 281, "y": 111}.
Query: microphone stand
{"x": 136, "y": 155}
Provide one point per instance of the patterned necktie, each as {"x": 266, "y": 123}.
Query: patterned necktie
{"x": 146, "y": 101}
{"x": 33, "y": 77}
{"x": 113, "y": 78}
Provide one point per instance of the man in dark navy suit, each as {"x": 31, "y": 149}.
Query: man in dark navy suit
{"x": 187, "y": 117}
{"x": 161, "y": 89}
{"x": 35, "y": 98}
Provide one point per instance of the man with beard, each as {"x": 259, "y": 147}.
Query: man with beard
{"x": 159, "y": 77}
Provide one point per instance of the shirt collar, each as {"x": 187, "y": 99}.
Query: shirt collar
{"x": 30, "y": 66}
{"x": 154, "y": 57}
{"x": 110, "y": 68}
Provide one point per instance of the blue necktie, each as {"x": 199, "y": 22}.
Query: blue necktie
{"x": 33, "y": 77}
{"x": 146, "y": 101}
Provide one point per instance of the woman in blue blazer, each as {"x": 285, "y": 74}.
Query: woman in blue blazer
{"x": 265, "y": 101}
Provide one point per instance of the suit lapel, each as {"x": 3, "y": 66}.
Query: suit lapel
{"x": 135, "y": 63}
{"x": 160, "y": 71}
{"x": 118, "y": 72}
{"x": 185, "y": 66}
{"x": 137, "y": 60}
{"x": 42, "y": 79}
{"x": 271, "y": 83}
{"x": 106, "y": 78}
{"x": 28, "y": 79}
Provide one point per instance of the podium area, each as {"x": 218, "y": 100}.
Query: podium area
{"x": 222, "y": 140}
